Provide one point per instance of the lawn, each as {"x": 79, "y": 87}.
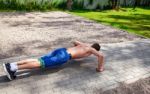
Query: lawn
{"x": 134, "y": 21}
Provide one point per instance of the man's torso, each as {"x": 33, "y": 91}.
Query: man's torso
{"x": 79, "y": 51}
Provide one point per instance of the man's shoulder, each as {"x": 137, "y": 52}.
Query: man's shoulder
{"x": 90, "y": 49}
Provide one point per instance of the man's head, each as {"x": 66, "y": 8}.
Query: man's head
{"x": 96, "y": 46}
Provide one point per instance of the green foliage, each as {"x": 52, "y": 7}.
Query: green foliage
{"x": 62, "y": 4}
{"x": 58, "y": 3}
{"x": 78, "y": 4}
{"x": 134, "y": 21}
{"x": 25, "y": 4}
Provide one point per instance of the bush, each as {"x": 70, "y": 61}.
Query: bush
{"x": 62, "y": 4}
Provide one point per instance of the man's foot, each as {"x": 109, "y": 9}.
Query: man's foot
{"x": 10, "y": 74}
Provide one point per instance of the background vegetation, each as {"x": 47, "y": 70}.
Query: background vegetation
{"x": 69, "y": 4}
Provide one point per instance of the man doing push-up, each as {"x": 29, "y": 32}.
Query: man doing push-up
{"x": 56, "y": 58}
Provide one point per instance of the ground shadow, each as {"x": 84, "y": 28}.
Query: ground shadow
{"x": 42, "y": 46}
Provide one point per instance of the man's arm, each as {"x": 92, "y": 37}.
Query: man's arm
{"x": 100, "y": 57}
{"x": 77, "y": 43}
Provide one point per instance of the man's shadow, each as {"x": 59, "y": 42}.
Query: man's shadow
{"x": 75, "y": 64}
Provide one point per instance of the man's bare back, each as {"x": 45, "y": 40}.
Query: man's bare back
{"x": 79, "y": 51}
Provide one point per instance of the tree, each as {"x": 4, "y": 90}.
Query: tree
{"x": 125, "y": 3}
{"x": 136, "y": 3}
{"x": 69, "y": 4}
{"x": 115, "y": 4}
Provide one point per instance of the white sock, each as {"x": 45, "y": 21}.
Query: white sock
{"x": 13, "y": 66}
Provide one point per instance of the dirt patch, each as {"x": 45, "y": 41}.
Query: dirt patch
{"x": 26, "y": 33}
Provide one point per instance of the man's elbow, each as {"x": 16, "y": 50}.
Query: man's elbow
{"x": 101, "y": 56}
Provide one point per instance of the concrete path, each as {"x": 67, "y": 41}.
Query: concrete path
{"x": 126, "y": 61}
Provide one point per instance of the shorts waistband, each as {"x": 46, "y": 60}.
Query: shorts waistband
{"x": 70, "y": 57}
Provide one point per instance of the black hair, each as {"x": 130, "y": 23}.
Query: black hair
{"x": 96, "y": 46}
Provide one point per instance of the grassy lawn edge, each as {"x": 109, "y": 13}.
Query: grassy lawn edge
{"x": 135, "y": 22}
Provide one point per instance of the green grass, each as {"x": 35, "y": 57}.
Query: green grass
{"x": 30, "y": 5}
{"x": 134, "y": 21}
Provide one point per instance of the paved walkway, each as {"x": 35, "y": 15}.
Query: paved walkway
{"x": 127, "y": 61}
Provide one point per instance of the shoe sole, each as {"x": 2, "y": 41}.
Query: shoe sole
{"x": 8, "y": 75}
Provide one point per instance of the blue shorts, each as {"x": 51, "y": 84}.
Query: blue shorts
{"x": 55, "y": 58}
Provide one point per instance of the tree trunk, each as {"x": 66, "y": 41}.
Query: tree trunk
{"x": 114, "y": 3}
{"x": 125, "y": 3}
{"x": 136, "y": 3}
{"x": 69, "y": 4}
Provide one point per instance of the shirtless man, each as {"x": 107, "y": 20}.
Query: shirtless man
{"x": 56, "y": 58}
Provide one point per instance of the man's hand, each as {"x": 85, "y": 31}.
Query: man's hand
{"x": 100, "y": 70}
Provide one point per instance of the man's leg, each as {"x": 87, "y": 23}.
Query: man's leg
{"x": 11, "y": 68}
{"x": 28, "y": 64}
